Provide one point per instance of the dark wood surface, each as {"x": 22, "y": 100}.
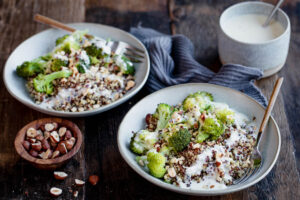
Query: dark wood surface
{"x": 99, "y": 153}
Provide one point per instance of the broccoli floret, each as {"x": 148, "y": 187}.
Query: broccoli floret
{"x": 71, "y": 42}
{"x": 164, "y": 150}
{"x": 200, "y": 100}
{"x": 162, "y": 114}
{"x": 46, "y": 57}
{"x": 212, "y": 127}
{"x": 156, "y": 164}
{"x": 68, "y": 46}
{"x": 179, "y": 140}
{"x": 127, "y": 67}
{"x": 93, "y": 51}
{"x": 80, "y": 68}
{"x": 31, "y": 68}
{"x": 225, "y": 116}
{"x": 61, "y": 39}
{"x": 142, "y": 161}
{"x": 94, "y": 60}
{"x": 43, "y": 83}
{"x": 201, "y": 136}
{"x": 57, "y": 64}
{"x": 143, "y": 141}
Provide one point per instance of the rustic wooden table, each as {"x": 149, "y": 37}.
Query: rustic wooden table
{"x": 99, "y": 154}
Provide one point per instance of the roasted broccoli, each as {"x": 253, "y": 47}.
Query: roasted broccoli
{"x": 162, "y": 114}
{"x": 156, "y": 164}
{"x": 142, "y": 141}
{"x": 212, "y": 127}
{"x": 201, "y": 136}
{"x": 43, "y": 83}
{"x": 127, "y": 67}
{"x": 179, "y": 140}
{"x": 57, "y": 64}
{"x": 70, "y": 42}
{"x": 31, "y": 68}
{"x": 80, "y": 68}
{"x": 93, "y": 51}
{"x": 199, "y": 99}
{"x": 225, "y": 116}
{"x": 61, "y": 39}
{"x": 94, "y": 60}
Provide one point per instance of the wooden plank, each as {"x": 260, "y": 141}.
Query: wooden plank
{"x": 128, "y": 5}
{"x": 17, "y": 177}
{"x": 130, "y": 15}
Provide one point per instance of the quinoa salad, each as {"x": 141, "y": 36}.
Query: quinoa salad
{"x": 198, "y": 144}
{"x": 81, "y": 73}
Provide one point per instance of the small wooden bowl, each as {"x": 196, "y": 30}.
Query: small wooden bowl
{"x": 48, "y": 164}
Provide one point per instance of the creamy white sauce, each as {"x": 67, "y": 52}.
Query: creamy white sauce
{"x": 248, "y": 28}
{"x": 204, "y": 161}
{"x": 84, "y": 58}
{"x": 102, "y": 44}
{"x": 61, "y": 56}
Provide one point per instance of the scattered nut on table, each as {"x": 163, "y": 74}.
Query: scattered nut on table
{"x": 79, "y": 182}
{"x": 93, "y": 179}
{"x": 60, "y": 175}
{"x": 54, "y": 191}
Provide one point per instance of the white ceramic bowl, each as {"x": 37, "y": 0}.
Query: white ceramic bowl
{"x": 135, "y": 120}
{"x": 268, "y": 56}
{"x": 44, "y": 42}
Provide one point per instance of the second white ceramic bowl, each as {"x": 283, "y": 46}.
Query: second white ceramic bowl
{"x": 269, "y": 56}
{"x": 135, "y": 121}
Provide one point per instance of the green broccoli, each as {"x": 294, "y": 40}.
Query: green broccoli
{"x": 80, "y": 68}
{"x": 93, "y": 51}
{"x": 225, "y": 115}
{"x": 164, "y": 150}
{"x": 94, "y": 60}
{"x": 31, "y": 68}
{"x": 127, "y": 67}
{"x": 46, "y": 57}
{"x": 43, "y": 83}
{"x": 57, "y": 64}
{"x": 179, "y": 140}
{"x": 61, "y": 39}
{"x": 212, "y": 127}
{"x": 70, "y": 42}
{"x": 200, "y": 100}
{"x": 201, "y": 136}
{"x": 162, "y": 114}
{"x": 156, "y": 164}
{"x": 143, "y": 141}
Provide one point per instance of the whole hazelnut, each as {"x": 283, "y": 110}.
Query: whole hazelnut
{"x": 26, "y": 145}
{"x": 68, "y": 135}
{"x": 33, "y": 153}
{"x": 45, "y": 144}
{"x": 93, "y": 179}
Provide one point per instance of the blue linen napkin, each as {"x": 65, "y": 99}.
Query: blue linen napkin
{"x": 172, "y": 63}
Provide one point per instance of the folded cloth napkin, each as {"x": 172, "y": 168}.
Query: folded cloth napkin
{"x": 172, "y": 63}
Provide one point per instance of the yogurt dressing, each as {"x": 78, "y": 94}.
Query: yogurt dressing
{"x": 249, "y": 28}
{"x": 209, "y": 181}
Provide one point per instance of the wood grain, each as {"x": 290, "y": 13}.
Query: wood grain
{"x": 18, "y": 179}
{"x": 99, "y": 153}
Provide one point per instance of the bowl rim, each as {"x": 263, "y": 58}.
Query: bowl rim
{"x": 287, "y": 30}
{"x": 167, "y": 186}
{"x": 23, "y": 153}
{"x": 84, "y": 113}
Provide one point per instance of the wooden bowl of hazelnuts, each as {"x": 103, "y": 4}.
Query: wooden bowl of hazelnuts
{"x": 48, "y": 143}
